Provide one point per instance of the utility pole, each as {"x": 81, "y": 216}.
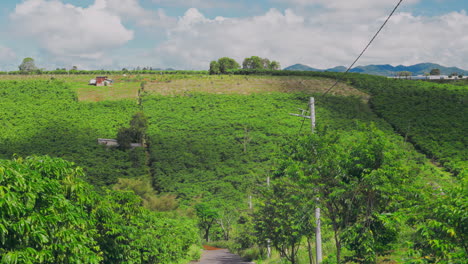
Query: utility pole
{"x": 318, "y": 233}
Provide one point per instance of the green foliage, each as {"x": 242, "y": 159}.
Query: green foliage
{"x": 144, "y": 189}
{"x": 214, "y": 67}
{"x": 44, "y": 117}
{"x": 284, "y": 218}
{"x": 435, "y": 72}
{"x": 130, "y": 234}
{"x": 136, "y": 133}
{"x": 27, "y": 66}
{"x": 226, "y": 64}
{"x": 48, "y": 214}
{"x": 217, "y": 147}
{"x": 430, "y": 115}
{"x": 442, "y": 228}
{"x": 257, "y": 63}
{"x": 207, "y": 216}
{"x": 45, "y": 213}
{"x": 362, "y": 179}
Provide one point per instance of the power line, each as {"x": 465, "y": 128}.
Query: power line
{"x": 363, "y": 51}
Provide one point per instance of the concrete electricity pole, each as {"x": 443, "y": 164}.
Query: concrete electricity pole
{"x": 318, "y": 233}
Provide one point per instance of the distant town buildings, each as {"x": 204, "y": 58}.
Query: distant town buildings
{"x": 429, "y": 77}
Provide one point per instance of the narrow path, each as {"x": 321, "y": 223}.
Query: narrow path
{"x": 220, "y": 256}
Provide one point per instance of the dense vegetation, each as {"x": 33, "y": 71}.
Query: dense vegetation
{"x": 207, "y": 154}
{"x": 44, "y": 117}
{"x": 48, "y": 214}
{"x": 432, "y": 116}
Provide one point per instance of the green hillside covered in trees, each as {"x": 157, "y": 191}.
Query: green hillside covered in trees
{"x": 387, "y": 162}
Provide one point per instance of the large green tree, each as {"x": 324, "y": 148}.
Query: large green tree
{"x": 258, "y": 63}
{"x": 284, "y": 217}
{"x": 214, "y": 67}
{"x": 28, "y": 65}
{"x": 226, "y": 64}
{"x": 207, "y": 216}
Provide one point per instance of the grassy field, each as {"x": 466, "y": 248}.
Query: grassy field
{"x": 127, "y": 86}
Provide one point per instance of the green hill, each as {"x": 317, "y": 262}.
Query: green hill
{"x": 210, "y": 150}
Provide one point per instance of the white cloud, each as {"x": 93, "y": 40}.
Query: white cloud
{"x": 363, "y": 5}
{"x": 67, "y": 32}
{"x": 198, "y": 3}
{"x": 6, "y": 54}
{"x": 132, "y": 10}
{"x": 292, "y": 38}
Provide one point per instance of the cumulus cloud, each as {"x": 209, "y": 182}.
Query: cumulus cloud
{"x": 198, "y": 3}
{"x": 67, "y": 31}
{"x": 292, "y": 38}
{"x": 6, "y": 53}
{"x": 347, "y": 4}
{"x": 132, "y": 10}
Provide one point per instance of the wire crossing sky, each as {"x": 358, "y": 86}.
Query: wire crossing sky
{"x": 365, "y": 49}
{"x": 113, "y": 34}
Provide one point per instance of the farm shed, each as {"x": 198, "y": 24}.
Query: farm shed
{"x": 101, "y": 81}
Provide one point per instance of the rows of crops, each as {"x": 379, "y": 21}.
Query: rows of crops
{"x": 432, "y": 116}
{"x": 210, "y": 152}
{"x": 44, "y": 117}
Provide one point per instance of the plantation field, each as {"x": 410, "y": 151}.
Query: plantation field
{"x": 178, "y": 84}
{"x": 211, "y": 144}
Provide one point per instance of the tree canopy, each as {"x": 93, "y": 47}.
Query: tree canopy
{"x": 435, "y": 72}
{"x": 256, "y": 62}
{"x": 27, "y": 65}
{"x": 226, "y": 64}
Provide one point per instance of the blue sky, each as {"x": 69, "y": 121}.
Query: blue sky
{"x": 188, "y": 34}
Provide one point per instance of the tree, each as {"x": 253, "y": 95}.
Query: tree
{"x": 214, "y": 67}
{"x": 284, "y": 217}
{"x": 274, "y": 65}
{"x": 404, "y": 74}
{"x": 207, "y": 216}
{"x": 435, "y": 72}
{"x": 226, "y": 64}
{"x": 136, "y": 133}
{"x": 28, "y": 65}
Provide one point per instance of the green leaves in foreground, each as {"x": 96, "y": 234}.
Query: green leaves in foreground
{"x": 49, "y": 215}
{"x": 44, "y": 213}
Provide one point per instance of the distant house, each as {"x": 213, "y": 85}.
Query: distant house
{"x": 113, "y": 143}
{"x": 101, "y": 81}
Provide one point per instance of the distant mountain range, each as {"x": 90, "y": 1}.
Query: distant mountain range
{"x": 386, "y": 69}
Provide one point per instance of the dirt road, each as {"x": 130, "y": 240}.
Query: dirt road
{"x": 220, "y": 256}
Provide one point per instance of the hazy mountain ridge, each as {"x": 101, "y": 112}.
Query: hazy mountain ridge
{"x": 386, "y": 69}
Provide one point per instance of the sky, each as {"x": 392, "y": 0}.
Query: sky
{"x": 188, "y": 34}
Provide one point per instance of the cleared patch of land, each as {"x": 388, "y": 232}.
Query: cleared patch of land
{"x": 249, "y": 84}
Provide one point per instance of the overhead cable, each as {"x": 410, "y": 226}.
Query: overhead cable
{"x": 363, "y": 51}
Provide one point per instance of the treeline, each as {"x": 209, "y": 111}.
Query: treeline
{"x": 100, "y": 72}
{"x": 48, "y": 214}
{"x": 226, "y": 65}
